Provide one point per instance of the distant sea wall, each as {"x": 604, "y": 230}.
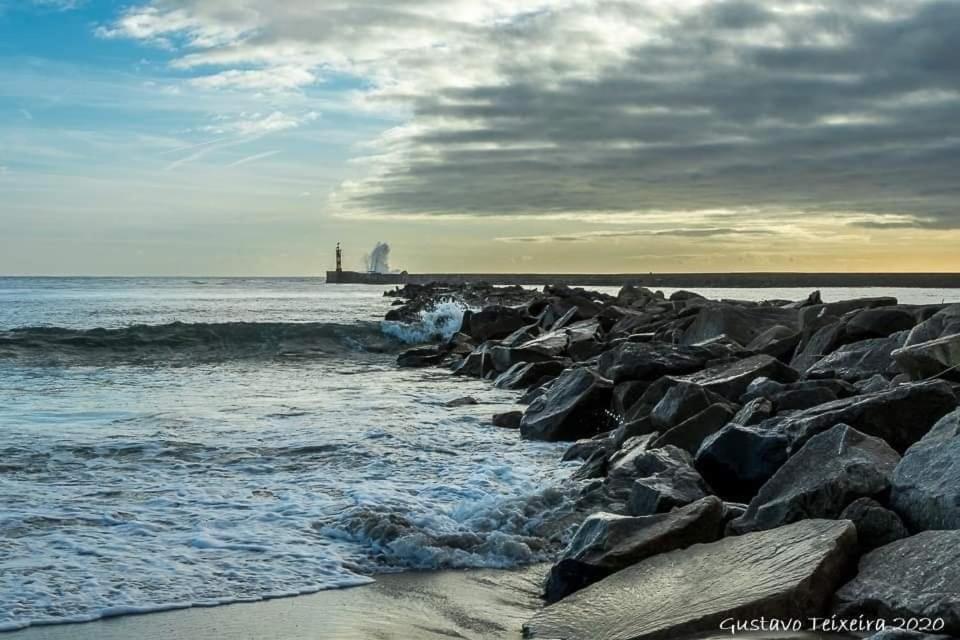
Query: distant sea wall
{"x": 671, "y": 280}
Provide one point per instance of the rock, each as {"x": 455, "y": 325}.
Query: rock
{"x": 690, "y": 434}
{"x": 583, "y": 449}
{"x": 926, "y": 484}
{"x": 423, "y": 356}
{"x": 682, "y": 296}
{"x": 606, "y": 543}
{"x": 860, "y": 360}
{"x": 681, "y": 401}
{"x": 879, "y": 323}
{"x": 915, "y": 577}
{"x": 630, "y": 460}
{"x": 873, "y": 384}
{"x": 732, "y": 379}
{"x": 802, "y": 398}
{"x": 495, "y": 322}
{"x": 661, "y": 492}
{"x": 650, "y": 398}
{"x": 777, "y": 341}
{"x": 821, "y": 343}
{"x": 508, "y": 419}
{"x": 595, "y": 466}
{"x": 575, "y": 407}
{"x": 477, "y": 365}
{"x": 741, "y": 324}
{"x": 876, "y": 525}
{"x": 753, "y": 412}
{"x": 632, "y": 295}
{"x": 625, "y": 395}
{"x": 766, "y": 388}
{"x": 901, "y": 416}
{"x": 461, "y": 402}
{"x": 738, "y": 459}
{"x": 784, "y": 573}
{"x": 649, "y": 361}
{"x": 945, "y": 322}
{"x": 525, "y": 374}
{"x": 829, "y": 472}
{"x": 939, "y": 357}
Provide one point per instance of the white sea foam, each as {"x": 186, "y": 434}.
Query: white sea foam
{"x": 439, "y": 322}
{"x": 129, "y": 489}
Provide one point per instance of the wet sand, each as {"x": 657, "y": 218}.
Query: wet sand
{"x": 473, "y": 605}
{"x": 478, "y": 605}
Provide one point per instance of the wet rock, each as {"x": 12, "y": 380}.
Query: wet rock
{"x": 575, "y": 407}
{"x": 915, "y": 577}
{"x": 860, "y": 360}
{"x": 681, "y": 401}
{"x": 682, "y": 296}
{"x": 478, "y": 364}
{"x": 821, "y": 343}
{"x": 771, "y": 389}
{"x": 926, "y": 484}
{"x": 651, "y": 360}
{"x": 732, "y": 379}
{"x": 461, "y": 402}
{"x": 525, "y": 374}
{"x": 507, "y": 419}
{"x": 583, "y": 449}
{"x": 939, "y": 357}
{"x": 666, "y": 490}
{"x": 495, "y": 322}
{"x": 737, "y": 460}
{"x": 777, "y": 341}
{"x": 606, "y": 543}
{"x": 879, "y": 323}
{"x": 873, "y": 384}
{"x": 876, "y": 525}
{"x": 423, "y": 356}
{"x": 650, "y": 398}
{"x": 626, "y": 394}
{"x": 803, "y": 398}
{"x": 632, "y": 296}
{"x": 829, "y": 472}
{"x": 690, "y": 434}
{"x": 788, "y": 572}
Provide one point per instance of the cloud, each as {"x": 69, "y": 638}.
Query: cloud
{"x": 694, "y": 232}
{"x": 534, "y": 108}
{"x": 256, "y": 124}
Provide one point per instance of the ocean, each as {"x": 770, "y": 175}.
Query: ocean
{"x": 192, "y": 442}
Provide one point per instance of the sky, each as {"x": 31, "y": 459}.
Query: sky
{"x": 247, "y": 137}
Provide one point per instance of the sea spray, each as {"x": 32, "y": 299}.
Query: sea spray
{"x": 439, "y": 322}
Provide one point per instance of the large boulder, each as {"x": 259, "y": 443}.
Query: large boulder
{"x": 526, "y": 374}
{"x": 667, "y": 481}
{"x": 945, "y": 322}
{"x": 937, "y": 357}
{"x": 915, "y": 577}
{"x": 576, "y": 406}
{"x": 860, "y": 360}
{"x": 731, "y": 379}
{"x": 737, "y": 460}
{"x": 651, "y": 360}
{"x": 926, "y": 483}
{"x": 784, "y": 573}
{"x": 740, "y": 324}
{"x": 879, "y": 323}
{"x": 876, "y": 525}
{"x": 681, "y": 401}
{"x": 829, "y": 472}
{"x": 690, "y": 434}
{"x": 495, "y": 322}
{"x": 606, "y": 543}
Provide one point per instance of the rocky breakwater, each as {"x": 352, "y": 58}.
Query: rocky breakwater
{"x": 787, "y": 461}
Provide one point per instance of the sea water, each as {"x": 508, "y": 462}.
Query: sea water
{"x": 187, "y": 442}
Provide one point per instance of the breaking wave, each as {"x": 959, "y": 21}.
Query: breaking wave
{"x": 192, "y": 342}
{"x": 439, "y": 322}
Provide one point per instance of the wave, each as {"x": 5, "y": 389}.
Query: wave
{"x": 180, "y": 342}
{"x": 438, "y": 322}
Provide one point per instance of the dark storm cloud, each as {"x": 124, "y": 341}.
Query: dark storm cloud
{"x": 845, "y": 106}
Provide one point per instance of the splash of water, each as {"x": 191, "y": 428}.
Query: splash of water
{"x": 439, "y": 322}
{"x": 378, "y": 260}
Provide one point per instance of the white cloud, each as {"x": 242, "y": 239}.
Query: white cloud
{"x": 253, "y": 158}
{"x": 285, "y": 78}
{"x": 255, "y": 124}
